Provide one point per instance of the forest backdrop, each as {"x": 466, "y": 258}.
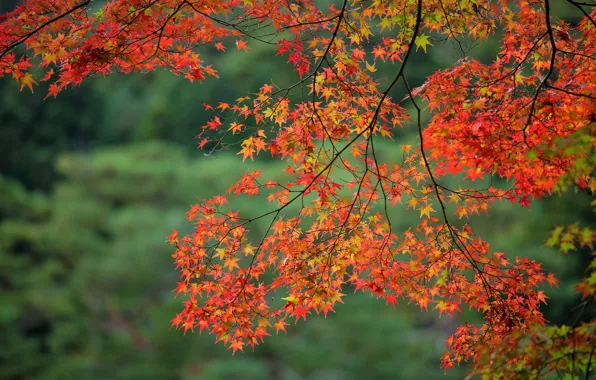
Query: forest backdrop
{"x": 90, "y": 184}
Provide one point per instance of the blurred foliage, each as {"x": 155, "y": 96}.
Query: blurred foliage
{"x": 87, "y": 278}
{"x": 34, "y": 131}
{"x": 93, "y": 181}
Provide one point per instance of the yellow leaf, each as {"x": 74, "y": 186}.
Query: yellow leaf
{"x": 249, "y": 250}
{"x": 291, "y": 299}
{"x": 371, "y": 68}
{"x": 27, "y": 80}
{"x": 426, "y": 210}
{"x": 220, "y": 253}
{"x": 422, "y": 42}
{"x": 235, "y": 127}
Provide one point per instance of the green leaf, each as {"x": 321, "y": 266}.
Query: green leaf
{"x": 422, "y": 42}
{"x": 566, "y": 247}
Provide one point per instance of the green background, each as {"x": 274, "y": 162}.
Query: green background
{"x": 93, "y": 181}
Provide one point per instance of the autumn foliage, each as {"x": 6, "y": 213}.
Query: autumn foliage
{"x": 527, "y": 118}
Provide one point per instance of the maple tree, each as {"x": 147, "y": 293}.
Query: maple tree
{"x": 527, "y": 118}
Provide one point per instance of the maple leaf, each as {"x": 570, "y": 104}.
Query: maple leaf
{"x": 231, "y": 263}
{"x": 219, "y": 46}
{"x": 173, "y": 238}
{"x": 47, "y": 76}
{"x": 300, "y": 311}
{"x": 379, "y": 52}
{"x": 235, "y": 127}
{"x": 203, "y": 142}
{"x": 248, "y": 149}
{"x": 241, "y": 45}
{"x": 280, "y": 325}
{"x": 474, "y": 173}
{"x": 426, "y": 210}
{"x": 326, "y": 308}
{"x": 53, "y": 90}
{"x": 422, "y": 42}
{"x": 27, "y": 80}
{"x": 259, "y": 144}
{"x": 266, "y": 89}
{"x": 358, "y": 54}
{"x": 236, "y": 345}
{"x": 292, "y": 299}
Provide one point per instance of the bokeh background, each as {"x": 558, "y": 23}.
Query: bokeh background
{"x": 93, "y": 181}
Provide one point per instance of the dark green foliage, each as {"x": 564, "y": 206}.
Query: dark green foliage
{"x": 87, "y": 279}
